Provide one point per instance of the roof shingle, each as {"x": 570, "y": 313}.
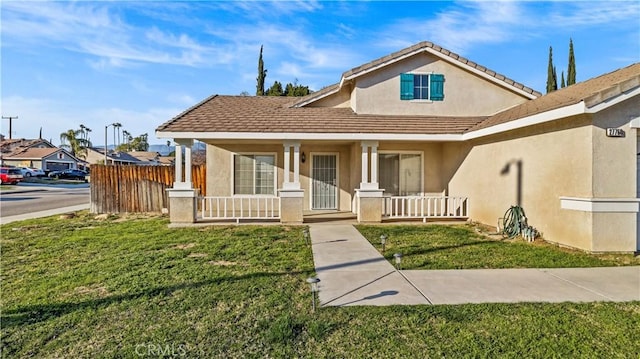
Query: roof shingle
{"x": 274, "y": 114}
{"x": 593, "y": 91}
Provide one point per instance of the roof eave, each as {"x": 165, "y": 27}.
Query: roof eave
{"x": 309, "y": 136}
{"x": 562, "y": 112}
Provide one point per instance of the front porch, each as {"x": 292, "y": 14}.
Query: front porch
{"x": 294, "y": 183}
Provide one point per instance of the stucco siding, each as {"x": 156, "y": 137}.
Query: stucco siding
{"x": 339, "y": 99}
{"x": 553, "y": 159}
{"x": 466, "y": 94}
{"x": 614, "y": 158}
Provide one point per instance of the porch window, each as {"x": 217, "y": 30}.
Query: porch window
{"x": 254, "y": 174}
{"x": 422, "y": 87}
{"x": 400, "y": 174}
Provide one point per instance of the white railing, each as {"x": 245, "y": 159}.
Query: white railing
{"x": 425, "y": 207}
{"x": 240, "y": 207}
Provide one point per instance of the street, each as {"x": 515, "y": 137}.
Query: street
{"x": 26, "y": 199}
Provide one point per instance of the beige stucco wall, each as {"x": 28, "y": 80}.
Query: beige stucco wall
{"x": 556, "y": 161}
{"x": 571, "y": 157}
{"x": 466, "y": 94}
{"x": 339, "y": 99}
{"x": 614, "y": 176}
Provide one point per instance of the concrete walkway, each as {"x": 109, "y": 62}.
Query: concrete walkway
{"x": 352, "y": 272}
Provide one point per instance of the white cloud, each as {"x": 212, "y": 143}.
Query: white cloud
{"x": 459, "y": 27}
{"x": 464, "y": 25}
{"x": 55, "y": 117}
{"x": 590, "y": 13}
{"x": 96, "y": 29}
{"x": 181, "y": 99}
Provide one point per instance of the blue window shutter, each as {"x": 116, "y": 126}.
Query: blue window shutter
{"x": 406, "y": 86}
{"x": 437, "y": 87}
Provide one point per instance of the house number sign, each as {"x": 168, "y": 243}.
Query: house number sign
{"x": 615, "y": 132}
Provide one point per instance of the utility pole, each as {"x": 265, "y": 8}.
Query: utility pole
{"x": 10, "y": 118}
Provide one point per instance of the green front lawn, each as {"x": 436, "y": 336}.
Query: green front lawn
{"x": 132, "y": 287}
{"x": 462, "y": 247}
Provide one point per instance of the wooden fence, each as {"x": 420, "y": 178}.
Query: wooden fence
{"x": 125, "y": 188}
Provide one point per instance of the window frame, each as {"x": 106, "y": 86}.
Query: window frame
{"x": 431, "y": 83}
{"x": 254, "y": 154}
{"x": 399, "y": 153}
{"x": 421, "y": 88}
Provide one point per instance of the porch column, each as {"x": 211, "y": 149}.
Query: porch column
{"x": 287, "y": 184}
{"x": 369, "y": 195}
{"x": 291, "y": 195}
{"x": 369, "y": 182}
{"x": 182, "y": 197}
{"x": 178, "y": 165}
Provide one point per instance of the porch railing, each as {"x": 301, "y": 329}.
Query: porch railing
{"x": 423, "y": 207}
{"x": 239, "y": 207}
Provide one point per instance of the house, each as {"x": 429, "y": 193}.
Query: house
{"x": 96, "y": 155}
{"x": 146, "y": 158}
{"x": 424, "y": 133}
{"x": 8, "y": 145}
{"x": 36, "y": 153}
{"x": 47, "y": 159}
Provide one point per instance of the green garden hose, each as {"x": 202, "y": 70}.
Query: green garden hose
{"x": 514, "y": 222}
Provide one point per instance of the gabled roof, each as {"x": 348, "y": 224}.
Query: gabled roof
{"x": 35, "y": 153}
{"x": 418, "y": 48}
{"x": 8, "y": 145}
{"x": 32, "y": 153}
{"x": 592, "y": 92}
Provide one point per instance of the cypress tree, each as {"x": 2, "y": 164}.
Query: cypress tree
{"x": 562, "y": 85}
{"x": 262, "y": 75}
{"x": 555, "y": 79}
{"x": 571, "y": 72}
{"x": 551, "y": 76}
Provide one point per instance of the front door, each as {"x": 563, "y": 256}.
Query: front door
{"x": 324, "y": 188}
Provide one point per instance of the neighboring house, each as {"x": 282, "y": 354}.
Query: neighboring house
{"x": 166, "y": 160}
{"x": 47, "y": 159}
{"x": 95, "y": 155}
{"x": 146, "y": 158}
{"x": 425, "y": 133}
{"x": 13, "y": 144}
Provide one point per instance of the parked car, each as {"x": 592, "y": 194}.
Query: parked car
{"x": 10, "y": 175}
{"x": 69, "y": 174}
{"x": 31, "y": 172}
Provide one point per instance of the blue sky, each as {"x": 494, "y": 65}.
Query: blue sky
{"x": 141, "y": 63}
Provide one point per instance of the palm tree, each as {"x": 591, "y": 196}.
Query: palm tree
{"x": 115, "y": 125}
{"x": 125, "y": 136}
{"x": 87, "y": 130}
{"x": 72, "y": 140}
{"x": 83, "y": 134}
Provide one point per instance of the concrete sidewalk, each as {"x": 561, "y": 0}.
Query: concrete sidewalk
{"x": 352, "y": 272}
{"x": 47, "y": 213}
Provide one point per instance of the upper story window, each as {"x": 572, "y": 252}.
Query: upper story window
{"x": 422, "y": 87}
